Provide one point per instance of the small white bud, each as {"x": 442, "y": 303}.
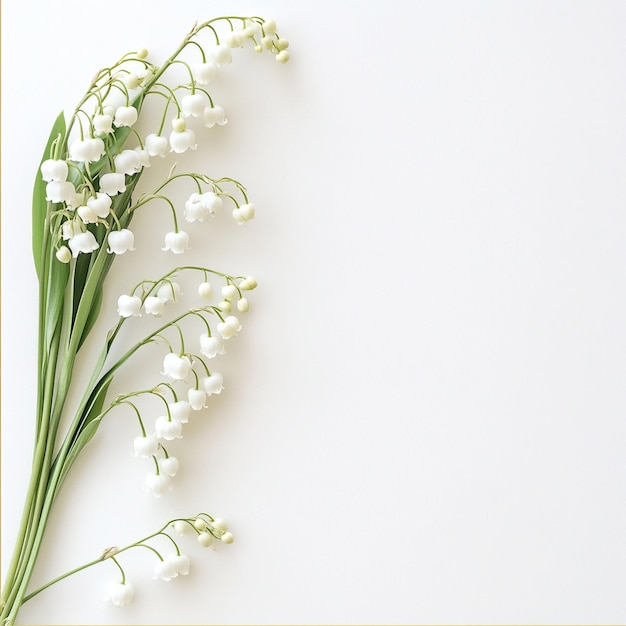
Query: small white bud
{"x": 205, "y": 290}
{"x": 205, "y": 539}
{"x": 225, "y": 306}
{"x": 63, "y": 254}
{"x": 199, "y": 524}
{"x": 242, "y": 305}
{"x": 229, "y": 292}
{"x": 178, "y": 124}
{"x": 282, "y": 44}
{"x": 227, "y": 537}
{"x": 282, "y": 56}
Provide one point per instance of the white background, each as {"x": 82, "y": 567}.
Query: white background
{"x": 425, "y": 413}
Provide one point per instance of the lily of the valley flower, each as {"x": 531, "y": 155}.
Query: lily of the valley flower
{"x": 121, "y": 241}
{"x": 86, "y": 150}
{"x": 54, "y": 169}
{"x": 63, "y": 254}
{"x": 59, "y": 191}
{"x": 229, "y": 327}
{"x": 127, "y": 306}
{"x": 177, "y": 242}
{"x": 113, "y": 183}
{"x": 103, "y": 124}
{"x": 204, "y": 73}
{"x": 244, "y": 213}
{"x": 213, "y": 384}
{"x": 193, "y": 104}
{"x": 125, "y": 116}
{"x": 145, "y": 446}
{"x": 197, "y": 399}
{"x": 168, "y": 429}
{"x": 171, "y": 566}
{"x": 221, "y": 55}
{"x": 169, "y": 465}
{"x": 183, "y": 140}
{"x": 156, "y": 145}
{"x": 153, "y": 305}
{"x": 169, "y": 291}
{"x": 157, "y": 484}
{"x": 214, "y": 115}
{"x": 127, "y": 162}
{"x": 180, "y": 411}
{"x": 83, "y": 242}
{"x": 120, "y": 594}
{"x": 210, "y": 347}
{"x": 100, "y": 204}
{"x": 175, "y": 366}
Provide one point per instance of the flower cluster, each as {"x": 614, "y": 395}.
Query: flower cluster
{"x": 84, "y": 201}
{"x": 180, "y": 367}
{"x": 203, "y": 526}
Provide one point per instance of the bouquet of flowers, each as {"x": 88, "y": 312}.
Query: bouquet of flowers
{"x": 84, "y": 201}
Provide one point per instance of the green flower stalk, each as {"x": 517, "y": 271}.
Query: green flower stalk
{"x": 83, "y": 205}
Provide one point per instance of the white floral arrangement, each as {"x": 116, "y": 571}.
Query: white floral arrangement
{"x": 83, "y": 205}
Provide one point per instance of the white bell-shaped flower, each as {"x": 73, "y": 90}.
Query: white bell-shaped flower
{"x": 194, "y": 209}
{"x": 83, "y": 242}
{"x": 164, "y": 570}
{"x": 101, "y": 204}
{"x": 87, "y": 214}
{"x": 60, "y": 191}
{"x": 175, "y": 366}
{"x": 180, "y": 563}
{"x": 213, "y": 384}
{"x": 153, "y": 305}
{"x": 145, "y": 446}
{"x": 121, "y": 241}
{"x": 244, "y": 213}
{"x": 112, "y": 183}
{"x": 103, "y": 124}
{"x": 119, "y": 593}
{"x": 204, "y": 73}
{"x": 168, "y": 429}
{"x": 193, "y": 104}
{"x": 86, "y": 150}
{"x": 169, "y": 466}
{"x": 233, "y": 39}
{"x": 156, "y": 145}
{"x": 176, "y": 242}
{"x": 197, "y": 399}
{"x": 127, "y": 162}
{"x": 125, "y": 116}
{"x": 229, "y": 327}
{"x": 181, "y": 141}
{"x": 128, "y": 306}
{"x": 211, "y": 201}
{"x": 169, "y": 291}
{"x": 210, "y": 347}
{"x": 157, "y": 484}
{"x": 70, "y": 229}
{"x": 180, "y": 411}
{"x": 221, "y": 55}
{"x": 54, "y": 169}
{"x": 144, "y": 157}
{"x": 214, "y": 115}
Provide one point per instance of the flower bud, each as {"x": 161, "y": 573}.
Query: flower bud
{"x": 227, "y": 537}
{"x": 178, "y": 125}
{"x": 63, "y": 254}
{"x": 282, "y": 56}
{"x": 205, "y": 539}
{"x": 229, "y": 292}
{"x": 269, "y": 27}
{"x": 199, "y": 523}
{"x": 205, "y": 290}
{"x": 221, "y": 55}
{"x": 142, "y": 53}
{"x": 169, "y": 291}
{"x": 242, "y": 305}
{"x": 225, "y": 306}
{"x": 181, "y": 527}
{"x": 219, "y": 524}
{"x": 282, "y": 44}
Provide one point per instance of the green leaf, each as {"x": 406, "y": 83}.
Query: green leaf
{"x": 88, "y": 429}
{"x": 40, "y": 205}
{"x": 58, "y": 277}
